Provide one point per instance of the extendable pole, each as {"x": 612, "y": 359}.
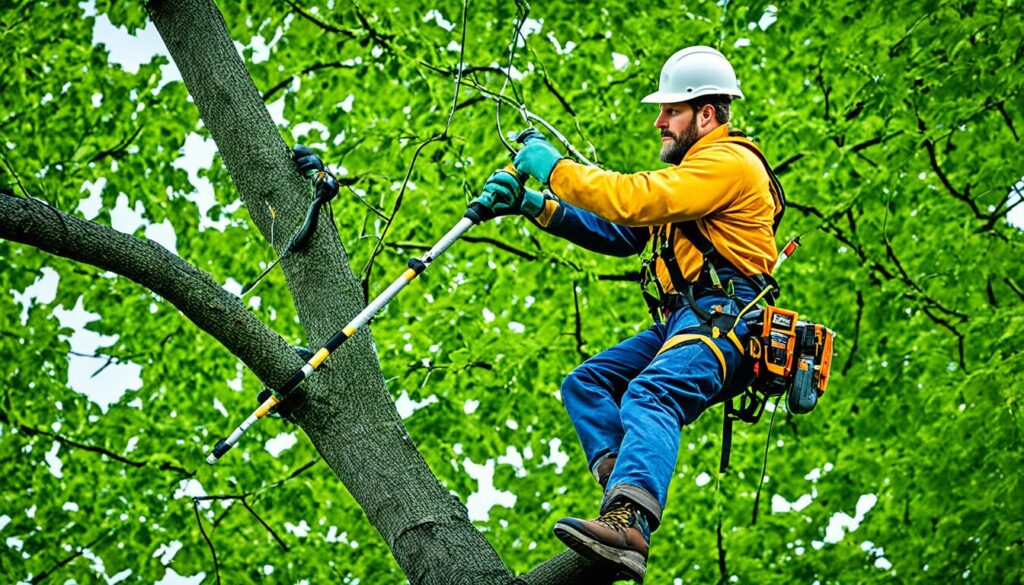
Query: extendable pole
{"x": 474, "y": 215}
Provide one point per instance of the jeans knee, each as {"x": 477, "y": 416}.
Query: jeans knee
{"x": 576, "y": 381}
{"x": 645, "y": 402}
{"x": 578, "y": 386}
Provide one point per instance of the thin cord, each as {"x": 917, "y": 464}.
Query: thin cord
{"x": 764, "y": 463}
{"x": 508, "y": 78}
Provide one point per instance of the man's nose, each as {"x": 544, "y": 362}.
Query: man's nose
{"x": 661, "y": 121}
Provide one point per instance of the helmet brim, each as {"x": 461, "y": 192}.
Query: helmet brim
{"x": 669, "y": 97}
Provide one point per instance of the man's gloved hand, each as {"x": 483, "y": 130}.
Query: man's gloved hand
{"x": 307, "y": 163}
{"x": 537, "y": 157}
{"x": 503, "y": 194}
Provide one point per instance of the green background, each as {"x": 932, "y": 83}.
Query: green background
{"x": 896, "y": 130}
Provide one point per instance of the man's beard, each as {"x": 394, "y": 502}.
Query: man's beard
{"x": 674, "y": 151}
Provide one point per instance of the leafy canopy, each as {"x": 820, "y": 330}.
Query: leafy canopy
{"x": 896, "y": 129}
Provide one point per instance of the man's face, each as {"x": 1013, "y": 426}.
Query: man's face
{"x": 679, "y": 131}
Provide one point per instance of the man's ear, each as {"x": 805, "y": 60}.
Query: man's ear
{"x": 707, "y": 114}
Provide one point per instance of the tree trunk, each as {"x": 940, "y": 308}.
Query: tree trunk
{"x": 345, "y": 409}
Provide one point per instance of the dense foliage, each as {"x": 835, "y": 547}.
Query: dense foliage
{"x": 896, "y": 130}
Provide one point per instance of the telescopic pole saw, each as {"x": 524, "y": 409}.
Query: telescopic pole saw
{"x": 476, "y": 213}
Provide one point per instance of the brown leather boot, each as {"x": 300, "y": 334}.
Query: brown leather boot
{"x": 620, "y": 536}
{"x": 604, "y": 470}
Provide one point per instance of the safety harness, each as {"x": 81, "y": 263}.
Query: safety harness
{"x": 786, "y": 355}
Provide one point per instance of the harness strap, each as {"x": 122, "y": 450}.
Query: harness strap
{"x": 649, "y": 274}
{"x": 688, "y": 338}
{"x": 723, "y": 463}
{"x": 774, "y": 185}
{"x": 668, "y": 256}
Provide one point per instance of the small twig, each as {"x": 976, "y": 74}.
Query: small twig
{"x": 64, "y": 562}
{"x": 992, "y": 299}
{"x": 166, "y": 466}
{"x": 265, "y": 525}
{"x": 17, "y": 179}
{"x": 952, "y": 329}
{"x": 327, "y": 27}
{"x": 383, "y": 39}
{"x": 1013, "y": 286}
{"x": 256, "y": 493}
{"x": 820, "y": 79}
{"x": 929, "y": 146}
{"x": 905, "y": 277}
{"x": 306, "y": 70}
{"x": 362, "y": 200}
{"x": 524, "y": 11}
{"x": 216, "y": 565}
{"x": 1004, "y": 208}
{"x": 723, "y": 572}
{"x": 874, "y": 141}
{"x": 896, "y": 45}
{"x": 118, "y": 149}
{"x": 458, "y": 73}
{"x": 856, "y": 333}
{"x": 783, "y": 166}
{"x": 1001, "y": 106}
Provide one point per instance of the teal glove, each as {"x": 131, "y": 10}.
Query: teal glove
{"x": 537, "y": 157}
{"x": 504, "y": 195}
{"x": 307, "y": 163}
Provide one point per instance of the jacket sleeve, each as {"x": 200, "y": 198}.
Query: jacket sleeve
{"x": 590, "y": 231}
{"x": 704, "y": 183}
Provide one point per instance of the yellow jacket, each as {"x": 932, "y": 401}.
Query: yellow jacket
{"x": 719, "y": 183}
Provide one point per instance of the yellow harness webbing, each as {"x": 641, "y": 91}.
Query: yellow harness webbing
{"x": 677, "y": 340}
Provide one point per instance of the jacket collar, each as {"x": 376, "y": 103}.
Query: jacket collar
{"x": 708, "y": 139}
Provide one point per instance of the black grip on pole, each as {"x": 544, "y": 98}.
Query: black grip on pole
{"x": 525, "y": 136}
{"x": 478, "y": 213}
{"x": 220, "y": 449}
{"x": 417, "y": 265}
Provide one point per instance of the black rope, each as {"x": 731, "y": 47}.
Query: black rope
{"x": 764, "y": 462}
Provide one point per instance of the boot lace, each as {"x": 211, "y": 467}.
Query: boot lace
{"x": 618, "y": 518}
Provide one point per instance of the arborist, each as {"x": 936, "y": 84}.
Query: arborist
{"x": 710, "y": 218}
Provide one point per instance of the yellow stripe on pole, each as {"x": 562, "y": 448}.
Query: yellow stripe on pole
{"x": 266, "y": 406}
{"x": 319, "y": 357}
{"x": 349, "y": 330}
{"x": 409, "y": 274}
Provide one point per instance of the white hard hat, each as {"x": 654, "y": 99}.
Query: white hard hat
{"x": 694, "y": 72}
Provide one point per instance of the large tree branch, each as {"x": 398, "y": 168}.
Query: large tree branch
{"x": 216, "y": 311}
{"x": 568, "y": 568}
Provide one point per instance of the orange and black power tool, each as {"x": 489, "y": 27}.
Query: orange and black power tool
{"x": 793, "y": 357}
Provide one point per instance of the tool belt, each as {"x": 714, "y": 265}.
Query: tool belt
{"x": 785, "y": 356}
{"x": 788, "y": 356}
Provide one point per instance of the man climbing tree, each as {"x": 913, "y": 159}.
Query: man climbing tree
{"x": 134, "y": 133}
{"x": 629, "y": 403}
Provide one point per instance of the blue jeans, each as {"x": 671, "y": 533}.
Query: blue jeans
{"x": 631, "y": 402}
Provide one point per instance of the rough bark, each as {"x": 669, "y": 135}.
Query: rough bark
{"x": 569, "y": 568}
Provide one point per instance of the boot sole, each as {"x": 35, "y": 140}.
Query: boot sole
{"x": 632, "y": 564}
